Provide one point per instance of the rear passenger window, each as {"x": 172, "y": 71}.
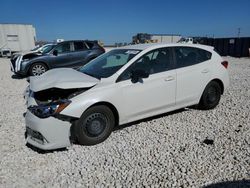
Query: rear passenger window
{"x": 79, "y": 46}
{"x": 90, "y": 44}
{"x": 187, "y": 56}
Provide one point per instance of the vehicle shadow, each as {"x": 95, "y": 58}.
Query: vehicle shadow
{"x": 150, "y": 118}
{"x": 18, "y": 77}
{"x": 45, "y": 152}
{"x": 230, "y": 184}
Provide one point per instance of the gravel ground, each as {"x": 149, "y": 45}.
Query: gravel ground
{"x": 188, "y": 148}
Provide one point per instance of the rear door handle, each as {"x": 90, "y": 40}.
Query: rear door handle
{"x": 205, "y": 71}
{"x": 169, "y": 78}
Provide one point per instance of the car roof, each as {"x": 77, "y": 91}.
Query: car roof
{"x": 162, "y": 45}
{"x": 77, "y": 41}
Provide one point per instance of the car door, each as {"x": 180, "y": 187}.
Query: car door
{"x": 193, "y": 73}
{"x": 152, "y": 95}
{"x": 62, "y": 55}
{"x": 80, "y": 53}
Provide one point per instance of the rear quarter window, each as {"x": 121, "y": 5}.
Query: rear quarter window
{"x": 187, "y": 56}
{"x": 203, "y": 55}
{"x": 79, "y": 46}
{"x": 90, "y": 44}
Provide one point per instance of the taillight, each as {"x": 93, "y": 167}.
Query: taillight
{"x": 225, "y": 64}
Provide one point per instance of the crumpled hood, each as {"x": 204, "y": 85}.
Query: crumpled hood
{"x": 64, "y": 78}
{"x": 26, "y": 53}
{"x": 22, "y": 53}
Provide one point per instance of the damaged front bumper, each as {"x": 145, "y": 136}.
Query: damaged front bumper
{"x": 47, "y": 134}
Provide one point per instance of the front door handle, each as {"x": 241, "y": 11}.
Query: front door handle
{"x": 169, "y": 78}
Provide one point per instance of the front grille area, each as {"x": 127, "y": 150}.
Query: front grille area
{"x": 13, "y": 62}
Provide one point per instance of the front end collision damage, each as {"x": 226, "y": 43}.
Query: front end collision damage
{"x": 46, "y": 127}
{"x": 48, "y": 133}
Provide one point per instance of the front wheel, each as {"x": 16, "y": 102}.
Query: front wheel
{"x": 37, "y": 69}
{"x": 211, "y": 96}
{"x": 95, "y": 125}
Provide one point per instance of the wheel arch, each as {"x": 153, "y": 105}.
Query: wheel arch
{"x": 213, "y": 80}
{"x": 220, "y": 83}
{"x": 32, "y": 63}
{"x": 43, "y": 62}
{"x": 111, "y": 107}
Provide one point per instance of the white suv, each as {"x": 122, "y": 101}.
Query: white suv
{"x": 123, "y": 85}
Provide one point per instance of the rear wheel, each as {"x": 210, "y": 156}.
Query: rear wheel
{"x": 95, "y": 125}
{"x": 37, "y": 69}
{"x": 211, "y": 96}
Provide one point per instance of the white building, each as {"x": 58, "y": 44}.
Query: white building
{"x": 17, "y": 37}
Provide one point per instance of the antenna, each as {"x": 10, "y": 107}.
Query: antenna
{"x": 239, "y": 32}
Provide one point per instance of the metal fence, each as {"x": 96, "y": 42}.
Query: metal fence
{"x": 235, "y": 47}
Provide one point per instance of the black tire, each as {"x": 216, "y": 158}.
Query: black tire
{"x": 211, "y": 96}
{"x": 37, "y": 69}
{"x": 95, "y": 125}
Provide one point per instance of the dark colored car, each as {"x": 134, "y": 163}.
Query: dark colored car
{"x": 71, "y": 54}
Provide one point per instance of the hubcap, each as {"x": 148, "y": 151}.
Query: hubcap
{"x": 212, "y": 95}
{"x": 38, "y": 70}
{"x": 95, "y": 124}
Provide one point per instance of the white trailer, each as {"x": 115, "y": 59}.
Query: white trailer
{"x": 165, "y": 38}
{"x": 17, "y": 37}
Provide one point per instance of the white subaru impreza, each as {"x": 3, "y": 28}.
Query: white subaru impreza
{"x": 121, "y": 86}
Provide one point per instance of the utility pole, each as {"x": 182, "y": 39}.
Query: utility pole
{"x": 239, "y": 32}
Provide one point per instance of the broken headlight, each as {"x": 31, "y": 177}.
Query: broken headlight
{"x": 50, "y": 109}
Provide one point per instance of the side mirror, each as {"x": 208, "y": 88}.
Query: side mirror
{"x": 55, "y": 52}
{"x": 138, "y": 74}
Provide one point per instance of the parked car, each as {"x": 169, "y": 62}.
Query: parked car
{"x": 5, "y": 52}
{"x": 187, "y": 40}
{"x": 121, "y": 86}
{"x": 71, "y": 54}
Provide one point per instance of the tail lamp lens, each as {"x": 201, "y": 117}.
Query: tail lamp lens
{"x": 225, "y": 64}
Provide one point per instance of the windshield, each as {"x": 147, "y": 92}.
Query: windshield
{"x": 107, "y": 64}
{"x": 47, "y": 49}
{"x": 36, "y": 48}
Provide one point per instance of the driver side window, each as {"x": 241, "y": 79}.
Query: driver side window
{"x": 153, "y": 62}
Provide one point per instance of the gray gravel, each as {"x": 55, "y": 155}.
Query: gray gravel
{"x": 166, "y": 151}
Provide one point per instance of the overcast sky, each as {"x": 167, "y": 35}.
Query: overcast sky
{"x": 117, "y": 21}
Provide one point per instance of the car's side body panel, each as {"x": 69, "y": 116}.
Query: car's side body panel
{"x": 190, "y": 82}
{"x": 148, "y": 95}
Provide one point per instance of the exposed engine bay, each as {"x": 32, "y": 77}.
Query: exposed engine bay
{"x": 56, "y": 94}
{"x": 31, "y": 55}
